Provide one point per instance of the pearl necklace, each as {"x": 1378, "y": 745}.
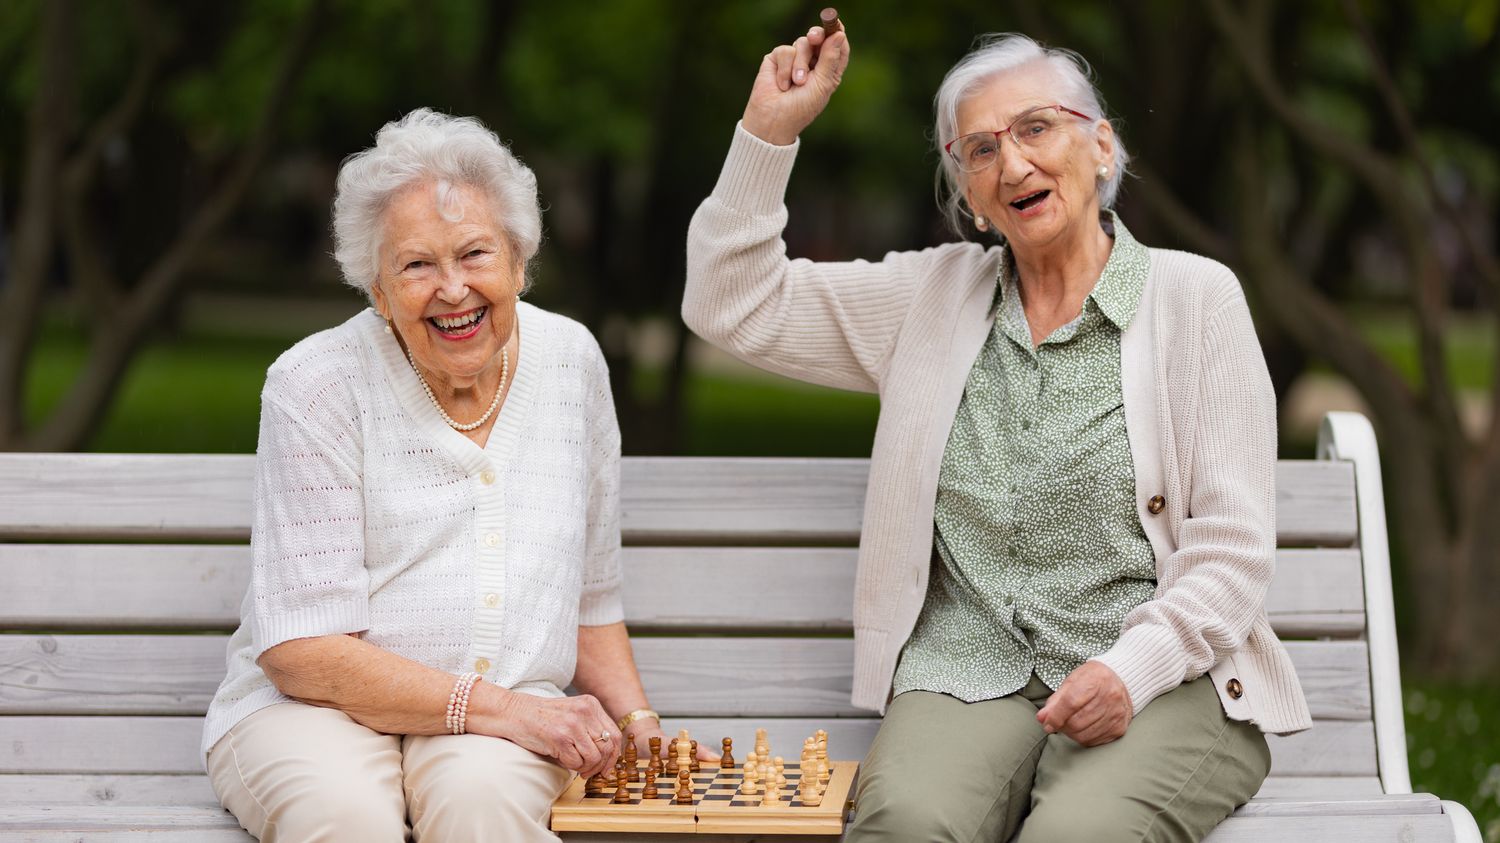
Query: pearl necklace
{"x": 504, "y": 375}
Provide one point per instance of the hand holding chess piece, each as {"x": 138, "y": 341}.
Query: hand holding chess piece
{"x": 795, "y": 82}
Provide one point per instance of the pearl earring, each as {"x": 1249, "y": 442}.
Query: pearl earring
{"x": 388, "y": 327}
{"x": 980, "y": 223}
{"x": 1103, "y": 172}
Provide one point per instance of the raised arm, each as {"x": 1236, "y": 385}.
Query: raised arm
{"x": 828, "y": 323}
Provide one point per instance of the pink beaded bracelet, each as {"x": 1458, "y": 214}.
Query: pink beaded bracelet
{"x": 458, "y": 703}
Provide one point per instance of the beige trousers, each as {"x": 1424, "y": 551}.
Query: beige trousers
{"x": 295, "y": 772}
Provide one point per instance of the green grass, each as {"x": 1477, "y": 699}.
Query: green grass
{"x": 1453, "y": 746}
{"x": 1469, "y": 345}
{"x": 198, "y": 394}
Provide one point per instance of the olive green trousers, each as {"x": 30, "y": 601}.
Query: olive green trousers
{"x": 945, "y": 770}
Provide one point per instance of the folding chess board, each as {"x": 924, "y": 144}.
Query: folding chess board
{"x": 718, "y": 807}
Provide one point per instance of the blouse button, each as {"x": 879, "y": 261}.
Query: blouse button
{"x": 1156, "y": 504}
{"x": 1235, "y": 689}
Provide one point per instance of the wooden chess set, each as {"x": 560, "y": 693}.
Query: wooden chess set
{"x": 672, "y": 792}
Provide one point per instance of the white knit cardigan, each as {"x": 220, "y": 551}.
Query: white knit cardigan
{"x": 373, "y": 516}
{"x": 1200, "y": 415}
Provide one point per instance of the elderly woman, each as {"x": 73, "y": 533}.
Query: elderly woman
{"x": 1068, "y": 533}
{"x": 436, "y": 535}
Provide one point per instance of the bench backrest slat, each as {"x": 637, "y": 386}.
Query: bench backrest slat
{"x": 158, "y": 745}
{"x": 1316, "y": 592}
{"x": 170, "y": 497}
{"x": 688, "y": 676}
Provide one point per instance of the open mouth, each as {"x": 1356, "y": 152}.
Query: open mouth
{"x": 1030, "y": 200}
{"x": 459, "y": 325}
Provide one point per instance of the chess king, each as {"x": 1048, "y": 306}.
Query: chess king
{"x": 1059, "y": 606}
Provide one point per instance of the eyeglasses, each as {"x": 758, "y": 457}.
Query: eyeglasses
{"x": 1034, "y": 129}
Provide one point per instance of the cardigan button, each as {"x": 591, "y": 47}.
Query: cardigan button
{"x": 1235, "y": 689}
{"x": 1156, "y": 504}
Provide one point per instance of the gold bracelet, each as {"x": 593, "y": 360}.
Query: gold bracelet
{"x": 638, "y": 714}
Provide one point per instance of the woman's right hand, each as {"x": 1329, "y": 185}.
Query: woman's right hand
{"x": 794, "y": 85}
{"x": 566, "y": 729}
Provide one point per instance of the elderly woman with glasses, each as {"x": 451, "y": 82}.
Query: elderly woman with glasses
{"x": 1068, "y": 533}
{"x": 435, "y": 552}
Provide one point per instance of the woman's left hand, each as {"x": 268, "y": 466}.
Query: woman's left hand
{"x": 1092, "y": 707}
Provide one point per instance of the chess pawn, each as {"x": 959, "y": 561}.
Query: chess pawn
{"x": 780, "y": 770}
{"x": 822, "y": 772}
{"x": 595, "y": 783}
{"x": 693, "y": 763}
{"x": 671, "y": 766}
{"x": 650, "y": 791}
{"x": 811, "y": 796}
{"x": 809, "y": 748}
{"x": 747, "y": 785}
{"x": 762, "y": 747}
{"x": 684, "y": 787}
{"x": 622, "y": 790}
{"x": 726, "y": 760}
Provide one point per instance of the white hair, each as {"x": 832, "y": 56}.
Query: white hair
{"x": 426, "y": 145}
{"x": 995, "y": 54}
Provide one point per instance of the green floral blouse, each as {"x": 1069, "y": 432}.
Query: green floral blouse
{"x": 1040, "y": 551}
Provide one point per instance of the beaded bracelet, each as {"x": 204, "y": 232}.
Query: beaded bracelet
{"x": 458, "y": 703}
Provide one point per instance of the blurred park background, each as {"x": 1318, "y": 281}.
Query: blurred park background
{"x": 166, "y": 170}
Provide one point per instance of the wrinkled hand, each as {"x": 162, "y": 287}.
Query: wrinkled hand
{"x": 646, "y": 728}
{"x": 565, "y": 729}
{"x": 1092, "y": 707}
{"x": 794, "y": 84}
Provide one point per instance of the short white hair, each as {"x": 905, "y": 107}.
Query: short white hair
{"x": 427, "y": 145}
{"x": 995, "y": 54}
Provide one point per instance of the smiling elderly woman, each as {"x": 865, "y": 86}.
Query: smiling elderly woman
{"x": 436, "y": 535}
{"x": 1068, "y": 531}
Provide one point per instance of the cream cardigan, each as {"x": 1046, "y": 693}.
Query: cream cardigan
{"x": 1199, "y": 409}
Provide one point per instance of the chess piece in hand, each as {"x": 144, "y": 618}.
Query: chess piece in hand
{"x": 794, "y": 84}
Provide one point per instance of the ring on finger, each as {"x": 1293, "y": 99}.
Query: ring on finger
{"x": 603, "y": 737}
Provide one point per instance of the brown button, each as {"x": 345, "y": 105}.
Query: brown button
{"x": 1156, "y": 504}
{"x": 1235, "y": 689}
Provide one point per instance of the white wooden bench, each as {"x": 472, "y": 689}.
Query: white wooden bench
{"x": 121, "y": 575}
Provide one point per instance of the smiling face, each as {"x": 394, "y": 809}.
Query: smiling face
{"x": 1038, "y": 198}
{"x": 448, "y": 287}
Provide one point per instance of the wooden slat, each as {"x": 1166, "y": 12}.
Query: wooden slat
{"x": 1330, "y": 748}
{"x": 208, "y": 826}
{"x": 664, "y": 500}
{"x": 1410, "y": 804}
{"x": 77, "y": 496}
{"x": 1428, "y": 828}
{"x": 1333, "y": 787}
{"x": 187, "y": 790}
{"x": 168, "y": 745}
{"x": 1315, "y": 504}
{"x": 686, "y": 677}
{"x": 1316, "y": 593}
{"x": 190, "y": 790}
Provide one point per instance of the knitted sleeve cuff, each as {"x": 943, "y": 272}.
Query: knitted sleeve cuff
{"x": 601, "y": 607}
{"x": 1148, "y": 659}
{"x": 333, "y": 618}
{"x": 755, "y": 174}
